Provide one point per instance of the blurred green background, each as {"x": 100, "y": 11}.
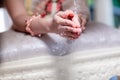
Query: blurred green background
{"x": 116, "y": 11}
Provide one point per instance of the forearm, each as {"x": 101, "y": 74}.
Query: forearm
{"x": 41, "y": 25}
{"x": 19, "y": 16}
{"x": 37, "y": 25}
{"x": 19, "y": 22}
{"x": 17, "y": 12}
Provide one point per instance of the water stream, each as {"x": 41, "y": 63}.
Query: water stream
{"x": 65, "y": 47}
{"x": 75, "y": 11}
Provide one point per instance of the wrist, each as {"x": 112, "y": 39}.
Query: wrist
{"x": 40, "y": 25}
{"x": 52, "y": 26}
{"x": 29, "y": 28}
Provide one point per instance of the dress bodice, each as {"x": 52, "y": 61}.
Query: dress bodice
{"x": 43, "y": 7}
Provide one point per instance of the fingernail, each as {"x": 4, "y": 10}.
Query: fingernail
{"x": 70, "y": 16}
{"x": 77, "y": 26}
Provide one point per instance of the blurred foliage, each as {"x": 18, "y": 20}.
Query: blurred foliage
{"x": 91, "y": 2}
{"x": 116, "y": 3}
{"x": 91, "y": 6}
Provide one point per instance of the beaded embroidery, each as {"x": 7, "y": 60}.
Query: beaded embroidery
{"x": 43, "y": 7}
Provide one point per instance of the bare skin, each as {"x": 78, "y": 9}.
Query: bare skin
{"x": 58, "y": 24}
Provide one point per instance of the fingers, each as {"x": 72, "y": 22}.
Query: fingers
{"x": 65, "y": 14}
{"x": 76, "y": 21}
{"x": 69, "y": 32}
{"x": 70, "y": 29}
{"x": 70, "y": 35}
{"x": 64, "y": 22}
{"x": 83, "y": 22}
{"x": 71, "y": 26}
{"x": 62, "y": 18}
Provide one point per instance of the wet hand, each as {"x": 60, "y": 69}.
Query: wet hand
{"x": 61, "y": 19}
{"x": 67, "y": 24}
{"x": 83, "y": 20}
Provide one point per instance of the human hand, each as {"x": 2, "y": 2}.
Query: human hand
{"x": 67, "y": 27}
{"x": 83, "y": 20}
{"x": 80, "y": 20}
